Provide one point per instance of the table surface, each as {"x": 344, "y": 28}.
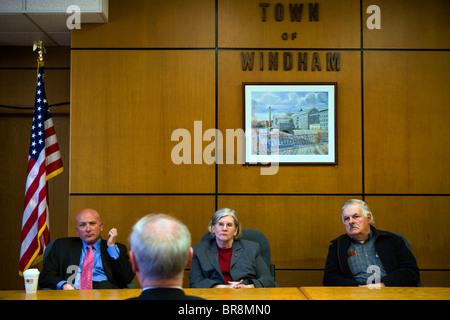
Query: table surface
{"x": 283, "y": 293}
{"x": 383, "y": 293}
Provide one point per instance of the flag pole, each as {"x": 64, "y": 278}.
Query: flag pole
{"x": 33, "y": 256}
{"x": 39, "y": 45}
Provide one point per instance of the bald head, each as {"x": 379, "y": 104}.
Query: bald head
{"x": 88, "y": 225}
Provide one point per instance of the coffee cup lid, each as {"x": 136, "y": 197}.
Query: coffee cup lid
{"x": 30, "y": 272}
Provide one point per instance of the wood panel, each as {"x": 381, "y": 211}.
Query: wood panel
{"x": 156, "y": 23}
{"x": 406, "y": 132}
{"x": 125, "y": 107}
{"x": 423, "y": 220}
{"x": 298, "y": 278}
{"x": 346, "y": 177}
{"x": 122, "y": 212}
{"x": 25, "y": 57}
{"x": 241, "y": 24}
{"x": 299, "y": 228}
{"x": 18, "y": 89}
{"x": 435, "y": 278}
{"x": 409, "y": 24}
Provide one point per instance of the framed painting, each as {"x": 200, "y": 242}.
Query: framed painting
{"x": 290, "y": 123}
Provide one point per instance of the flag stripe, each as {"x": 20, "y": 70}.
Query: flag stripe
{"x": 32, "y": 200}
{"x": 49, "y": 128}
{"x": 52, "y": 153}
{"x": 51, "y": 140}
{"x": 44, "y": 162}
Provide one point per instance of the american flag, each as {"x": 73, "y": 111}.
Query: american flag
{"x": 44, "y": 162}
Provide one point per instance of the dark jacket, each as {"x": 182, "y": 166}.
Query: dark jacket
{"x": 398, "y": 261}
{"x": 165, "y": 294}
{"x": 67, "y": 251}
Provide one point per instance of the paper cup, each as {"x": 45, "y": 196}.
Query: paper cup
{"x": 31, "y": 278}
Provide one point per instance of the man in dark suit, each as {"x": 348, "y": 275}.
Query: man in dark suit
{"x": 160, "y": 250}
{"x": 63, "y": 264}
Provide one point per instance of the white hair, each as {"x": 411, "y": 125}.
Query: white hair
{"x": 364, "y": 208}
{"x": 161, "y": 246}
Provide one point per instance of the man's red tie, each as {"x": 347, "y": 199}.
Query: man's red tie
{"x": 86, "y": 272}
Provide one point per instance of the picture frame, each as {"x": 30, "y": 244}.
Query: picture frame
{"x": 302, "y": 129}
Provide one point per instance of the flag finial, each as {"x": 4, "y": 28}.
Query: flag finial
{"x": 41, "y": 49}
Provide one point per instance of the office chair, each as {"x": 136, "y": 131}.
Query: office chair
{"x": 255, "y": 236}
{"x": 47, "y": 250}
{"x": 410, "y": 249}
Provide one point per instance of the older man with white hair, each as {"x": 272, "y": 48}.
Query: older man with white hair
{"x": 365, "y": 255}
{"x": 160, "y": 250}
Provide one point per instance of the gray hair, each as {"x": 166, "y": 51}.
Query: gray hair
{"x": 219, "y": 214}
{"x": 161, "y": 246}
{"x": 364, "y": 208}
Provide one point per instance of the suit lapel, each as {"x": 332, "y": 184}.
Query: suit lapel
{"x": 105, "y": 261}
{"x": 213, "y": 255}
{"x": 75, "y": 252}
{"x": 72, "y": 256}
{"x": 236, "y": 255}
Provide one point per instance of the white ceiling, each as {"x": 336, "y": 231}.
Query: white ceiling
{"x": 24, "y": 21}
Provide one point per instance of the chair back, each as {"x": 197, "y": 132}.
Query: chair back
{"x": 47, "y": 250}
{"x": 404, "y": 240}
{"x": 410, "y": 249}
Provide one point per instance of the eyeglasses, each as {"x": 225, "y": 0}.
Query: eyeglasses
{"x": 228, "y": 225}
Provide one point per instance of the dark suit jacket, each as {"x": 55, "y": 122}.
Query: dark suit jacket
{"x": 67, "y": 251}
{"x": 246, "y": 263}
{"x": 397, "y": 259}
{"x": 165, "y": 294}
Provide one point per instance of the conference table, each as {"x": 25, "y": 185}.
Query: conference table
{"x": 383, "y": 293}
{"x": 282, "y": 293}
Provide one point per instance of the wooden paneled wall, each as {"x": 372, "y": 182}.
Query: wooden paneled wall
{"x": 159, "y": 66}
